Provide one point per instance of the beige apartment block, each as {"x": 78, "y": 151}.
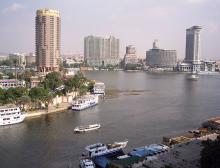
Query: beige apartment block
{"x": 48, "y": 25}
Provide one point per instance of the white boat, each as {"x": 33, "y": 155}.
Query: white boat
{"x": 100, "y": 149}
{"x": 99, "y": 88}
{"x": 11, "y": 114}
{"x": 87, "y": 163}
{"x": 193, "y": 76}
{"x": 208, "y": 73}
{"x": 87, "y": 128}
{"x": 85, "y": 102}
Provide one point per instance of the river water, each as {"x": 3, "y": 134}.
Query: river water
{"x": 162, "y": 105}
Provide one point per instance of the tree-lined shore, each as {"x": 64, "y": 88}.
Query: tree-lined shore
{"x": 40, "y": 97}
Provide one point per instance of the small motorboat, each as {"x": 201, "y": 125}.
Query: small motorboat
{"x": 86, "y": 128}
{"x": 86, "y": 163}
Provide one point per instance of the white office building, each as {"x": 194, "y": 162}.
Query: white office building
{"x": 193, "y": 50}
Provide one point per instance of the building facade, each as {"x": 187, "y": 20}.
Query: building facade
{"x": 18, "y": 59}
{"x": 11, "y": 83}
{"x": 130, "y": 56}
{"x": 193, "y": 48}
{"x": 101, "y": 51}
{"x": 30, "y": 59}
{"x": 160, "y": 58}
{"x": 48, "y": 28}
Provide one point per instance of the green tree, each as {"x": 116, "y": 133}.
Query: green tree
{"x": 26, "y": 75}
{"x": 2, "y": 96}
{"x": 78, "y": 83}
{"x": 132, "y": 66}
{"x": 47, "y": 99}
{"x": 5, "y": 63}
{"x": 38, "y": 95}
{"x": 23, "y": 101}
{"x": 10, "y": 75}
{"x": 12, "y": 95}
{"x": 210, "y": 154}
{"x": 52, "y": 81}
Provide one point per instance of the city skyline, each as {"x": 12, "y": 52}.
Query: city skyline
{"x": 133, "y": 23}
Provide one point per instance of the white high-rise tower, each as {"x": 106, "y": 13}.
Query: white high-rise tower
{"x": 193, "y": 47}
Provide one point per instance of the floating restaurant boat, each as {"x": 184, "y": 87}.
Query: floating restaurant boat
{"x": 100, "y": 149}
{"x": 86, "y": 128}
{"x": 11, "y": 114}
{"x": 87, "y": 163}
{"x": 85, "y": 102}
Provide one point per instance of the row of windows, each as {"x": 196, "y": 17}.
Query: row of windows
{"x": 9, "y": 118}
{"x": 8, "y": 114}
{"x": 9, "y": 110}
{"x": 6, "y": 119}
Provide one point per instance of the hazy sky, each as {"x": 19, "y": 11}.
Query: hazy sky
{"x": 136, "y": 22}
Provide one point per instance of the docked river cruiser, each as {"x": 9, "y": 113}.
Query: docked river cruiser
{"x": 11, "y": 114}
{"x": 100, "y": 149}
{"x": 85, "y": 102}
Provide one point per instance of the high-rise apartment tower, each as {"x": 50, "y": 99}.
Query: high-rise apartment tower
{"x": 48, "y": 25}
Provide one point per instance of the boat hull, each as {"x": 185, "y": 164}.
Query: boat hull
{"x": 83, "y": 130}
{"x": 83, "y": 108}
{"x": 13, "y": 121}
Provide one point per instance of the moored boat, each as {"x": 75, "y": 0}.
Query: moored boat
{"x": 99, "y": 88}
{"x": 85, "y": 102}
{"x": 87, "y": 163}
{"x": 86, "y": 128}
{"x": 11, "y": 114}
{"x": 193, "y": 76}
{"x": 100, "y": 149}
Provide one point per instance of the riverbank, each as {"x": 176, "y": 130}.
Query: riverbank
{"x": 62, "y": 107}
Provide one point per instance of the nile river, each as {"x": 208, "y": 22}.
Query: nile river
{"x": 163, "y": 104}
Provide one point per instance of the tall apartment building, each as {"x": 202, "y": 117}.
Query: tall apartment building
{"x": 48, "y": 25}
{"x": 101, "y": 51}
